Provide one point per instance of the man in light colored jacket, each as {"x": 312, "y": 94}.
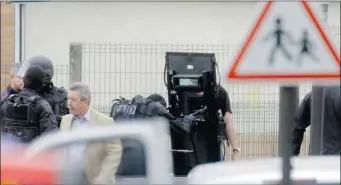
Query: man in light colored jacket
{"x": 101, "y": 159}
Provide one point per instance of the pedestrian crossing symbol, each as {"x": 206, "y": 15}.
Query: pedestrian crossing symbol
{"x": 288, "y": 43}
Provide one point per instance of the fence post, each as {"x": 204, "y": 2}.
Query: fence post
{"x": 75, "y": 63}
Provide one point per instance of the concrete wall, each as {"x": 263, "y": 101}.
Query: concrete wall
{"x": 7, "y": 40}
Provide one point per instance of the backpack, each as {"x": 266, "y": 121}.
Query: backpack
{"x": 133, "y": 161}
{"x": 123, "y": 109}
{"x": 20, "y": 118}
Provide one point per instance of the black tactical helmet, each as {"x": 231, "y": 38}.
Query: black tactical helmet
{"x": 158, "y": 98}
{"x": 45, "y": 63}
{"x": 34, "y": 78}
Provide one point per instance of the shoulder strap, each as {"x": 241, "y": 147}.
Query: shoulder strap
{"x": 34, "y": 98}
{"x": 12, "y": 96}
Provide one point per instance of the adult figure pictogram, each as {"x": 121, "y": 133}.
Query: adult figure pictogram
{"x": 278, "y": 35}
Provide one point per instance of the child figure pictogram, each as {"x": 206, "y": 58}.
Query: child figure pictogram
{"x": 306, "y": 48}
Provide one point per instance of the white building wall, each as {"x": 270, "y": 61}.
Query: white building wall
{"x": 334, "y": 13}
{"x": 334, "y": 18}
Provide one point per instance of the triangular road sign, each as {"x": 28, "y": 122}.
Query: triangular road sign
{"x": 287, "y": 43}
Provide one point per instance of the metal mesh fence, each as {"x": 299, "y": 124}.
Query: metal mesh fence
{"x": 113, "y": 70}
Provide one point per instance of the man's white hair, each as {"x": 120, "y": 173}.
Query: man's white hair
{"x": 83, "y": 90}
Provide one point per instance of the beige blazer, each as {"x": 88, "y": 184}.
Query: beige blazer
{"x": 102, "y": 158}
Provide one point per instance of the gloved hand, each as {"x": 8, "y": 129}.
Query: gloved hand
{"x": 189, "y": 122}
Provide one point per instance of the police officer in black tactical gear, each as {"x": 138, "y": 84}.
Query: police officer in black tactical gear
{"x": 133, "y": 157}
{"x": 27, "y": 115}
{"x": 133, "y": 160}
{"x": 331, "y": 118}
{"x": 149, "y": 107}
{"x": 183, "y": 147}
{"x": 55, "y": 96}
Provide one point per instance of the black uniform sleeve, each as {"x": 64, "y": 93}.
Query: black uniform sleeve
{"x": 302, "y": 121}
{"x": 2, "y": 113}
{"x": 61, "y": 107}
{"x": 224, "y": 101}
{"x": 65, "y": 107}
{"x": 47, "y": 119}
{"x": 64, "y": 110}
{"x": 175, "y": 123}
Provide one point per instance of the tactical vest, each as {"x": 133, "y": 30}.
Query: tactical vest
{"x": 20, "y": 118}
{"x": 128, "y": 109}
{"x": 133, "y": 156}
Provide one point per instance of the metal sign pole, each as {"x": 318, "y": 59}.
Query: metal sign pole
{"x": 288, "y": 104}
{"x": 316, "y": 117}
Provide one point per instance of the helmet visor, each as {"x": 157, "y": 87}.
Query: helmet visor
{"x": 23, "y": 68}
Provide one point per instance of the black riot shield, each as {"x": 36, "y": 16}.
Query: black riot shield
{"x": 191, "y": 81}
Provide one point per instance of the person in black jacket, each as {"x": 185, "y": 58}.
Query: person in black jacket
{"x": 302, "y": 121}
{"x": 331, "y": 118}
{"x": 152, "y": 106}
{"x": 183, "y": 147}
{"x": 26, "y": 115}
{"x": 133, "y": 157}
{"x": 223, "y": 104}
{"x": 332, "y": 122}
{"x": 55, "y": 96}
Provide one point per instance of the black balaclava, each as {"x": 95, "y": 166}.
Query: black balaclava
{"x": 34, "y": 78}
